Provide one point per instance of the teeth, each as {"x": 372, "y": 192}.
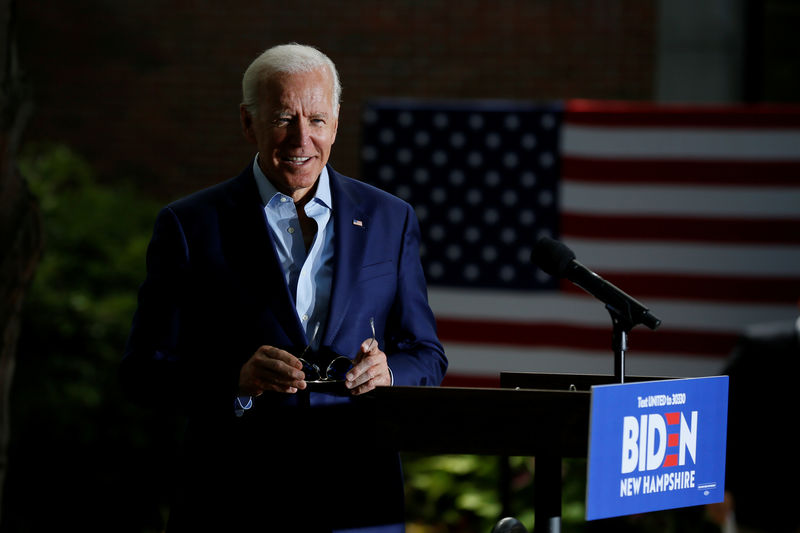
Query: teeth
{"x": 298, "y": 159}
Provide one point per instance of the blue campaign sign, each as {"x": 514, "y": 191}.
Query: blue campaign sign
{"x": 656, "y": 445}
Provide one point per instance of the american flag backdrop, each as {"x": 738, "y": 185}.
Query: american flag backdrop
{"x": 692, "y": 210}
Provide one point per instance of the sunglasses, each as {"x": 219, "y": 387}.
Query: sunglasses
{"x": 337, "y": 369}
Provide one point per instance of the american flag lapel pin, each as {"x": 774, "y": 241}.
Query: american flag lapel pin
{"x": 357, "y": 222}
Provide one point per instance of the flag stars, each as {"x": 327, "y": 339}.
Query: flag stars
{"x": 404, "y": 192}
{"x": 387, "y": 136}
{"x": 508, "y": 273}
{"x": 405, "y": 119}
{"x": 511, "y": 122}
{"x": 438, "y": 195}
{"x": 476, "y": 121}
{"x": 527, "y": 179}
{"x": 440, "y": 120}
{"x": 478, "y": 180}
{"x": 493, "y": 141}
{"x": 458, "y": 139}
{"x": 528, "y": 141}
{"x": 548, "y": 121}
{"x": 453, "y": 252}
{"x": 422, "y": 138}
{"x": 435, "y": 270}
{"x": 456, "y": 178}
{"x": 436, "y": 233}
{"x": 472, "y": 234}
{"x": 472, "y": 272}
{"x": 404, "y": 156}
{"x": 510, "y": 160}
{"x": 474, "y": 159}
{"x": 509, "y": 198}
{"x": 455, "y": 215}
{"x": 527, "y": 217}
{"x": 492, "y": 178}
{"x": 386, "y": 173}
{"x": 474, "y": 196}
{"x": 508, "y": 235}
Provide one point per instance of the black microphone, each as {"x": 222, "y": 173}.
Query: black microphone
{"x": 558, "y": 260}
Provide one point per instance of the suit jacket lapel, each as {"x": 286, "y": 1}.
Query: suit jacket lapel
{"x": 249, "y": 245}
{"x": 350, "y": 238}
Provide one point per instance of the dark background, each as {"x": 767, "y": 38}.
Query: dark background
{"x": 136, "y": 103}
{"x": 150, "y": 90}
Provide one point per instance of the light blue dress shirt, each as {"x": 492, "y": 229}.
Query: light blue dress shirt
{"x": 309, "y": 274}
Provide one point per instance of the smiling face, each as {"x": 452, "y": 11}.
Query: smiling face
{"x": 293, "y": 129}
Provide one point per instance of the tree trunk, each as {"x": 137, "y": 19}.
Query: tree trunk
{"x": 20, "y": 223}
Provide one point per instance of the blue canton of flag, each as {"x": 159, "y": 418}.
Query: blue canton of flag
{"x": 482, "y": 178}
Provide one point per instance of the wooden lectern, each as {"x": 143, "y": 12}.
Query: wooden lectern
{"x": 535, "y": 414}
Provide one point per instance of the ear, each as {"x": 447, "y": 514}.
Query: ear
{"x": 246, "y": 120}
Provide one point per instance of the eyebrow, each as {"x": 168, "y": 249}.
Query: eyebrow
{"x": 286, "y": 112}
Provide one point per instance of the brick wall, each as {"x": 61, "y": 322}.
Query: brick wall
{"x": 150, "y": 90}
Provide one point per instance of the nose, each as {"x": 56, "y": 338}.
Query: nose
{"x": 299, "y": 133}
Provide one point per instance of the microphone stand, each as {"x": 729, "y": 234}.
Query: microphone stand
{"x": 619, "y": 341}
{"x": 624, "y": 319}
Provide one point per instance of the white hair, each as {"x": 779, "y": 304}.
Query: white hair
{"x": 286, "y": 58}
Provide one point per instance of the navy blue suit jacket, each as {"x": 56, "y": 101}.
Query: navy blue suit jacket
{"x": 215, "y": 292}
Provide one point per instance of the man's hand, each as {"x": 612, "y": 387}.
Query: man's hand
{"x": 271, "y": 369}
{"x": 371, "y": 369}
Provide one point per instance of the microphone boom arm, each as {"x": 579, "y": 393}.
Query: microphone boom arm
{"x": 626, "y": 312}
{"x": 617, "y": 301}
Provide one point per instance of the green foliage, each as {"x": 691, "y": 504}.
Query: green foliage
{"x": 76, "y": 446}
{"x": 83, "y": 296}
{"x": 463, "y": 493}
{"x": 455, "y": 491}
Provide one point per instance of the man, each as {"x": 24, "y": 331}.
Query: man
{"x": 286, "y": 263}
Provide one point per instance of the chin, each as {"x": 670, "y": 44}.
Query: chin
{"x": 295, "y": 183}
{"x": 302, "y": 177}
